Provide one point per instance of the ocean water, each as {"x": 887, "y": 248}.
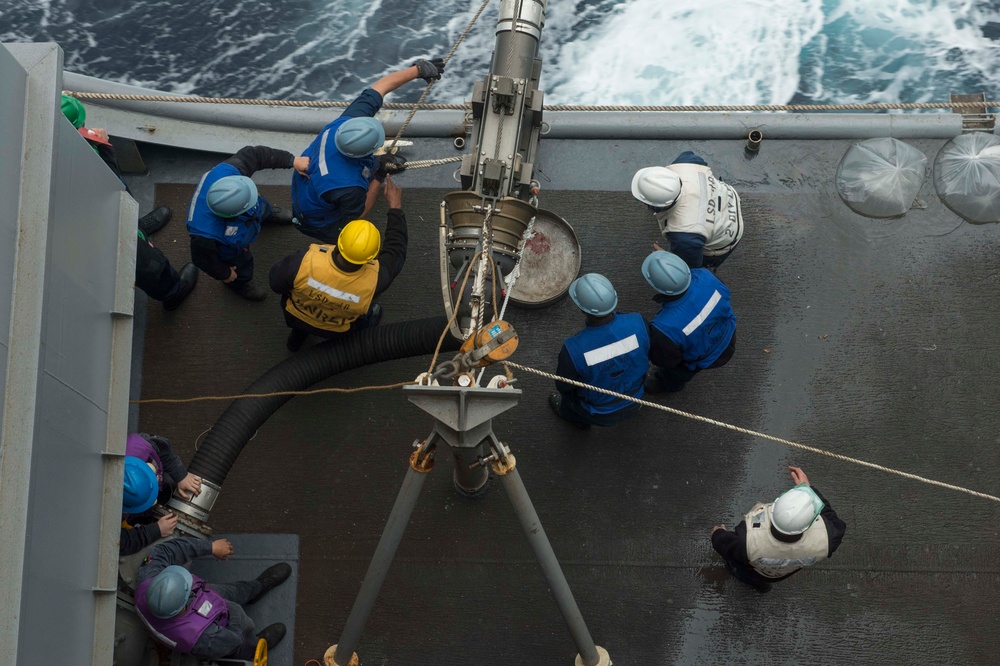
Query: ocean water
{"x": 594, "y": 51}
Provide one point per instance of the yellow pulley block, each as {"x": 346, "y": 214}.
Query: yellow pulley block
{"x": 495, "y": 342}
{"x": 260, "y": 655}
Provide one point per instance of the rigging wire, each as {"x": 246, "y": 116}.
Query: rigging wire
{"x": 320, "y": 104}
{"x": 621, "y": 396}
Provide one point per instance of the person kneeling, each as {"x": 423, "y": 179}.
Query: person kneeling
{"x": 610, "y": 353}
{"x": 191, "y": 616}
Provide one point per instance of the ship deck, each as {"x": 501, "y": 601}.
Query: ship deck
{"x": 876, "y": 339}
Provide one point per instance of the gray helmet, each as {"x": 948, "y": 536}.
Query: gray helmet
{"x": 594, "y": 294}
{"x": 359, "y": 137}
{"x": 167, "y": 595}
{"x": 666, "y": 273}
{"x": 232, "y": 196}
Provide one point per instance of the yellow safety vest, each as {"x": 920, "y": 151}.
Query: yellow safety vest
{"x": 328, "y": 298}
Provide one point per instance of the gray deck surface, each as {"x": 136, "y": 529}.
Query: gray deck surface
{"x": 872, "y": 338}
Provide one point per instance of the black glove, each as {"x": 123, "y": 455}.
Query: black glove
{"x": 429, "y": 70}
{"x": 391, "y": 163}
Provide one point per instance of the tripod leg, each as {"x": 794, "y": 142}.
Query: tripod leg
{"x": 590, "y": 654}
{"x": 421, "y": 462}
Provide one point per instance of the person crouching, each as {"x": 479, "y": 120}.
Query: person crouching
{"x": 328, "y": 290}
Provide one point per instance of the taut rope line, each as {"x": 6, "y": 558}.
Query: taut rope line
{"x": 319, "y": 104}
{"x": 754, "y": 433}
{"x": 430, "y": 84}
{"x": 645, "y": 403}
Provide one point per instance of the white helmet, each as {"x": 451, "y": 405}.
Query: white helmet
{"x": 656, "y": 186}
{"x": 795, "y": 510}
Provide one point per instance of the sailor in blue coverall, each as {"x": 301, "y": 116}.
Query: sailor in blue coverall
{"x": 695, "y": 327}
{"x": 612, "y": 353}
{"x": 343, "y": 178}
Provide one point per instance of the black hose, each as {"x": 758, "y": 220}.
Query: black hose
{"x": 241, "y": 419}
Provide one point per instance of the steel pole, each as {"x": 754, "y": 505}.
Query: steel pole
{"x": 399, "y": 518}
{"x": 533, "y": 529}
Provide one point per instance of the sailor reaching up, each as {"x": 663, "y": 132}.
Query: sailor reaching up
{"x": 343, "y": 178}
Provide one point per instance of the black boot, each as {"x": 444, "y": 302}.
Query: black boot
{"x": 272, "y": 634}
{"x": 189, "y": 278}
{"x": 153, "y": 221}
{"x": 279, "y": 216}
{"x": 248, "y": 290}
{"x": 295, "y": 339}
{"x": 270, "y": 578}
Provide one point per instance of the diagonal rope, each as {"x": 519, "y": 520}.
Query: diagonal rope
{"x": 430, "y": 84}
{"x": 754, "y": 433}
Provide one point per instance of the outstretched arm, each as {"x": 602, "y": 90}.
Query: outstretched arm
{"x": 428, "y": 70}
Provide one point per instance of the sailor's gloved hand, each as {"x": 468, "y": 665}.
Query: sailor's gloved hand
{"x": 429, "y": 70}
{"x": 392, "y": 162}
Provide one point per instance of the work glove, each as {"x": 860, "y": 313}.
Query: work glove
{"x": 392, "y": 162}
{"x": 429, "y": 70}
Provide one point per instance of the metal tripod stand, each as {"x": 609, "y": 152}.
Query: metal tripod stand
{"x": 463, "y": 420}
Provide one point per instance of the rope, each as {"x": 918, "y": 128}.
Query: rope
{"x": 320, "y": 104}
{"x": 430, "y": 84}
{"x": 423, "y": 164}
{"x": 207, "y": 398}
{"x": 754, "y": 433}
{"x": 454, "y": 315}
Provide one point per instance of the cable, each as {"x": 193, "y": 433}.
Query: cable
{"x": 205, "y": 398}
{"x": 888, "y": 106}
{"x": 754, "y": 433}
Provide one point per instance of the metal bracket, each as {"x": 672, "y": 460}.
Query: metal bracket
{"x": 492, "y": 172}
{"x": 975, "y": 118}
{"x": 504, "y": 95}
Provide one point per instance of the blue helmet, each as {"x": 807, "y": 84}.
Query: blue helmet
{"x": 232, "y": 196}
{"x": 141, "y": 487}
{"x": 594, "y": 294}
{"x": 167, "y": 594}
{"x": 666, "y": 273}
{"x": 359, "y": 137}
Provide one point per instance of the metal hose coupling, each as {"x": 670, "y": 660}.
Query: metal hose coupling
{"x": 200, "y": 505}
{"x": 753, "y": 140}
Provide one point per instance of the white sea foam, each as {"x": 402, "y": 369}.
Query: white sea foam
{"x": 595, "y": 51}
{"x": 687, "y": 52}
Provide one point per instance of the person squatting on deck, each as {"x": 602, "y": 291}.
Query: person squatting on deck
{"x": 343, "y": 178}
{"x": 776, "y": 540}
{"x": 327, "y": 290}
{"x": 699, "y": 215}
{"x": 153, "y": 272}
{"x": 612, "y": 353}
{"x": 152, "y": 473}
{"x": 695, "y": 327}
{"x": 226, "y": 213}
{"x": 189, "y": 615}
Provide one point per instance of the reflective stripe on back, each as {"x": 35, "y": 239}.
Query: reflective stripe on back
{"x": 323, "y": 170}
{"x": 194, "y": 199}
{"x": 614, "y": 350}
{"x": 703, "y": 197}
{"x": 703, "y": 315}
{"x": 333, "y": 291}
